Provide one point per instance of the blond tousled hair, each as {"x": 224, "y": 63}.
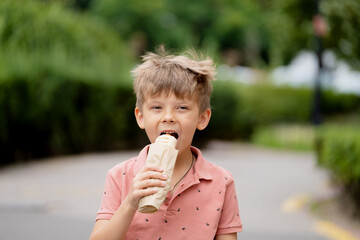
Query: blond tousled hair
{"x": 184, "y": 75}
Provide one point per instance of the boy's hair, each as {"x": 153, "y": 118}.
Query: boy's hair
{"x": 184, "y": 76}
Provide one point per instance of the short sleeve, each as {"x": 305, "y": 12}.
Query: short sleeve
{"x": 230, "y": 221}
{"x": 111, "y": 198}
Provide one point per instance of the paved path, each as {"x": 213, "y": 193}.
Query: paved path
{"x": 58, "y": 199}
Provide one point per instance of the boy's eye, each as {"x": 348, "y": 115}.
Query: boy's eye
{"x": 155, "y": 107}
{"x": 183, "y": 107}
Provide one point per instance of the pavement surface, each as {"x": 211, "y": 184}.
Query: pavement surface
{"x": 58, "y": 198}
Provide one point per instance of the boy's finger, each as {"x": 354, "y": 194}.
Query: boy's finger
{"x": 152, "y": 168}
{"x": 145, "y": 192}
{"x": 152, "y": 174}
{"x": 148, "y": 183}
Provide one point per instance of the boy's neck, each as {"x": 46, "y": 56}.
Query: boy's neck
{"x": 184, "y": 161}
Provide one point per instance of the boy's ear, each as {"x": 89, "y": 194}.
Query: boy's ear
{"x": 204, "y": 119}
{"x": 139, "y": 118}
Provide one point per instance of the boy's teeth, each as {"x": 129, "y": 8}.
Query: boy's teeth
{"x": 174, "y": 134}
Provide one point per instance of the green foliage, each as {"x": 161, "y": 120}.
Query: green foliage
{"x": 338, "y": 150}
{"x": 63, "y": 117}
{"x": 224, "y": 104}
{"x": 291, "y": 30}
{"x": 285, "y": 136}
{"x": 289, "y": 23}
{"x": 256, "y": 33}
{"x": 339, "y": 103}
{"x": 344, "y": 21}
{"x": 44, "y": 39}
{"x": 64, "y": 82}
{"x": 268, "y": 104}
{"x": 238, "y": 109}
{"x": 80, "y": 5}
{"x": 213, "y": 26}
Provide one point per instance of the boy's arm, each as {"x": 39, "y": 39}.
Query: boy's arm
{"x": 229, "y": 236}
{"x": 143, "y": 185}
{"x": 116, "y": 227}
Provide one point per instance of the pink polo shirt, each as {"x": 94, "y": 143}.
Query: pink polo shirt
{"x": 204, "y": 205}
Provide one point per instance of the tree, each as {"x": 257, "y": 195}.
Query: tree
{"x": 60, "y": 73}
{"x": 344, "y": 20}
{"x": 210, "y": 25}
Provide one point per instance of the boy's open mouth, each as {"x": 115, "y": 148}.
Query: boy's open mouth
{"x": 174, "y": 134}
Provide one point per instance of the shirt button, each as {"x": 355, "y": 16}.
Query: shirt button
{"x": 166, "y": 201}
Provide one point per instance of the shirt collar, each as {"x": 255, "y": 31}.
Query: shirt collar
{"x": 202, "y": 169}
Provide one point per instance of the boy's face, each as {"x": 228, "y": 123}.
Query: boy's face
{"x": 170, "y": 114}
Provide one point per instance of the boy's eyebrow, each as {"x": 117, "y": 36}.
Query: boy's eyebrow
{"x": 153, "y": 99}
{"x": 179, "y": 101}
{"x": 182, "y": 101}
{"x": 154, "y": 102}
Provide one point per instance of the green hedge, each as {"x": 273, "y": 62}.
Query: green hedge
{"x": 64, "y": 82}
{"x": 338, "y": 150}
{"x": 298, "y": 137}
{"x": 58, "y": 116}
{"x": 337, "y": 104}
{"x": 266, "y": 104}
{"x": 239, "y": 109}
{"x": 64, "y": 117}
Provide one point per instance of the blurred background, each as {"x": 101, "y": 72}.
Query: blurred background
{"x": 288, "y": 76}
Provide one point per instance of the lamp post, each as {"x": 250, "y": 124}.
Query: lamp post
{"x": 320, "y": 30}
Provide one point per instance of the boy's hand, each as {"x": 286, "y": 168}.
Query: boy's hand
{"x": 145, "y": 183}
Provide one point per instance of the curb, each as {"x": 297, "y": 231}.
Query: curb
{"x": 325, "y": 228}
{"x": 333, "y": 231}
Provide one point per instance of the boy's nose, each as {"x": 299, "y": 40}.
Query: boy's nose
{"x": 168, "y": 117}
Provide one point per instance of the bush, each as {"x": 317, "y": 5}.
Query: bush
{"x": 339, "y": 103}
{"x": 71, "y": 117}
{"x": 239, "y": 109}
{"x": 338, "y": 150}
{"x": 285, "y": 136}
{"x": 267, "y": 104}
{"x": 64, "y": 83}
{"x": 224, "y": 103}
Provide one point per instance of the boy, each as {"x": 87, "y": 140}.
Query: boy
{"x": 173, "y": 97}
